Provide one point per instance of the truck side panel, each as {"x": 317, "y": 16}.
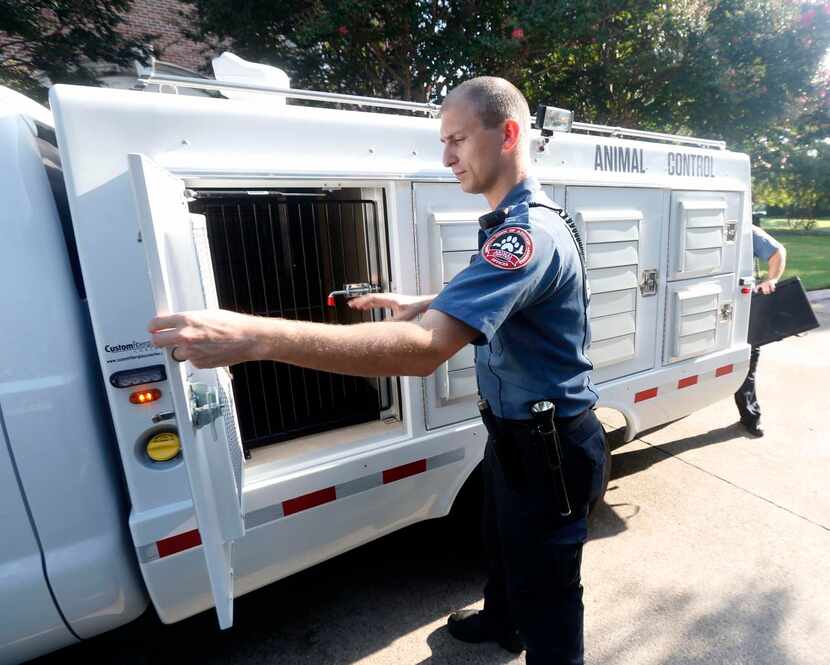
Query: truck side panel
{"x": 56, "y": 415}
{"x": 29, "y": 623}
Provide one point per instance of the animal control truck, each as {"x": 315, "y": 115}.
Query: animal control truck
{"x": 127, "y": 479}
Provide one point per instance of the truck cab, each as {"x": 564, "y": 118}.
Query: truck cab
{"x": 67, "y": 567}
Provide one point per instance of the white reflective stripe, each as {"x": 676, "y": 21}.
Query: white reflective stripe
{"x": 359, "y": 485}
{"x": 445, "y": 458}
{"x": 147, "y": 553}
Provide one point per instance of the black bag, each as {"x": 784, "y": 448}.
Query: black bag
{"x": 784, "y": 312}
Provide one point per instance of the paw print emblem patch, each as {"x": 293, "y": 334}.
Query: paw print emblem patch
{"x": 508, "y": 249}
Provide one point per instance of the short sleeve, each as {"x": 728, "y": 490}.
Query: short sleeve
{"x": 763, "y": 244}
{"x": 496, "y": 285}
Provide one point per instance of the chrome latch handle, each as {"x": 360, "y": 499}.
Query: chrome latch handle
{"x": 352, "y": 291}
{"x": 648, "y": 283}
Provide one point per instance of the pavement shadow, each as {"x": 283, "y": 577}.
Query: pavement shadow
{"x": 338, "y": 612}
{"x": 634, "y": 461}
{"x": 746, "y": 627}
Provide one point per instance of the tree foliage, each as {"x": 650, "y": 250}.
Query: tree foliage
{"x": 723, "y": 68}
{"x": 44, "y": 41}
{"x": 738, "y": 70}
{"x": 793, "y": 160}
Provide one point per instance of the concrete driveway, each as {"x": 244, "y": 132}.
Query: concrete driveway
{"x": 713, "y": 548}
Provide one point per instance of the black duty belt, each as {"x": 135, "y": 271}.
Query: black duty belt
{"x": 540, "y": 435}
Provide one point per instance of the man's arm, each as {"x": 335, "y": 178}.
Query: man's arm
{"x": 775, "y": 268}
{"x": 215, "y": 338}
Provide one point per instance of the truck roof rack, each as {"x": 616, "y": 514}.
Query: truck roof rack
{"x": 420, "y": 107}
{"x": 649, "y": 136}
{"x": 296, "y": 93}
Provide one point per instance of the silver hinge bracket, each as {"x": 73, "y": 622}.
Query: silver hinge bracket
{"x": 726, "y": 312}
{"x": 205, "y": 406}
{"x": 730, "y": 231}
{"x": 648, "y": 282}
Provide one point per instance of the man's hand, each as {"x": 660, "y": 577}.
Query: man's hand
{"x": 766, "y": 287}
{"x": 210, "y": 338}
{"x": 404, "y": 308}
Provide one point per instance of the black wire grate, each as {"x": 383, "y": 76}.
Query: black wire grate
{"x": 278, "y": 255}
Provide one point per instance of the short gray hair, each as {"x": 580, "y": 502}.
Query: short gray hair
{"x": 495, "y": 100}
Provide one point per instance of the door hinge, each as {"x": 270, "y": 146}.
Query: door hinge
{"x": 726, "y": 312}
{"x": 648, "y": 282}
{"x": 730, "y": 231}
{"x": 205, "y": 406}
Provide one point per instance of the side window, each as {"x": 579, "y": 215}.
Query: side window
{"x": 47, "y": 144}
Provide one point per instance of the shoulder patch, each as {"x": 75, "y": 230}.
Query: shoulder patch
{"x": 508, "y": 249}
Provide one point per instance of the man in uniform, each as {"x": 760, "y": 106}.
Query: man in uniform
{"x": 767, "y": 248}
{"x": 522, "y": 301}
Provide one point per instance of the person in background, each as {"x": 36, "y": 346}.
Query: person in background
{"x": 768, "y": 249}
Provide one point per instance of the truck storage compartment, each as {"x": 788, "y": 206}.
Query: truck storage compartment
{"x": 622, "y": 229}
{"x": 699, "y": 317}
{"x": 447, "y": 236}
{"x": 280, "y": 254}
{"x": 704, "y": 231}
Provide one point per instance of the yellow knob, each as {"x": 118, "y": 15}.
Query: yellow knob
{"x": 163, "y": 446}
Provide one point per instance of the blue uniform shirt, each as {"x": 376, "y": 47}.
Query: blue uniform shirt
{"x": 763, "y": 244}
{"x": 523, "y": 292}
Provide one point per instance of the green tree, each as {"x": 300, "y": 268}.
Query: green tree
{"x": 793, "y": 162}
{"x": 722, "y": 68}
{"x": 738, "y": 70}
{"x": 408, "y": 49}
{"x": 43, "y": 41}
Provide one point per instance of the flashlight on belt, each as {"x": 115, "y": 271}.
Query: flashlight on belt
{"x": 542, "y": 414}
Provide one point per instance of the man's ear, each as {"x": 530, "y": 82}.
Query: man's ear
{"x": 512, "y": 132}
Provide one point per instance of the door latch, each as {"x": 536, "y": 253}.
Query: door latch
{"x": 730, "y": 231}
{"x": 648, "y": 283}
{"x": 205, "y": 406}
{"x": 726, "y": 312}
{"x": 165, "y": 415}
{"x": 352, "y": 291}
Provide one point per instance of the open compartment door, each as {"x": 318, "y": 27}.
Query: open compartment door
{"x": 179, "y": 267}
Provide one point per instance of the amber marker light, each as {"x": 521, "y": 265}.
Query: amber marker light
{"x": 145, "y": 396}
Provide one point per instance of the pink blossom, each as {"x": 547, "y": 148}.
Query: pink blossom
{"x": 343, "y": 30}
{"x": 518, "y": 33}
{"x": 807, "y": 17}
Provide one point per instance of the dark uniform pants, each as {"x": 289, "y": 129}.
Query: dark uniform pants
{"x": 746, "y": 399}
{"x": 534, "y": 554}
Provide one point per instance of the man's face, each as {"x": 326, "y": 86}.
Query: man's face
{"x": 472, "y": 151}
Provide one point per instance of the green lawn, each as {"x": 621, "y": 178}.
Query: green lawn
{"x": 808, "y": 252}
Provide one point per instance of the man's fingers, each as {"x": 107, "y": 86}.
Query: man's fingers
{"x": 166, "y": 322}
{"x": 167, "y": 338}
{"x": 361, "y": 302}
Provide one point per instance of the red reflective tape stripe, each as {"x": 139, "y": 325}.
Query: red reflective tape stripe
{"x": 179, "y": 543}
{"x": 309, "y": 500}
{"x": 726, "y": 369}
{"x": 404, "y": 471}
{"x": 688, "y": 381}
{"x": 645, "y": 394}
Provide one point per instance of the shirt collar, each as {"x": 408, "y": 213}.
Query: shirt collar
{"x": 522, "y": 191}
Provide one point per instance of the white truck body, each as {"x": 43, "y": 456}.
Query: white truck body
{"x": 146, "y": 176}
